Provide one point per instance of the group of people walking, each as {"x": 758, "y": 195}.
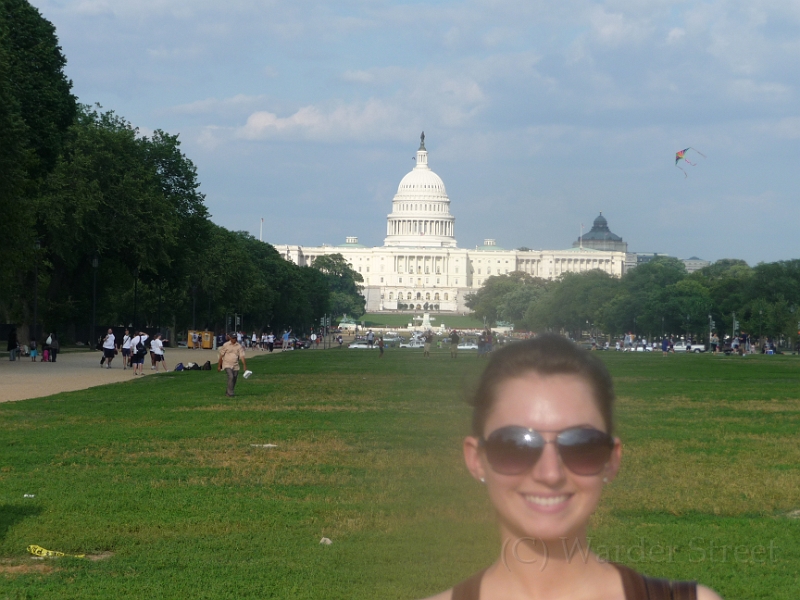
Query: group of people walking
{"x": 134, "y": 350}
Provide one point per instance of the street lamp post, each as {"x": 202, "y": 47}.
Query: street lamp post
{"x": 194, "y": 306}
{"x": 760, "y": 312}
{"x": 135, "y": 295}
{"x": 92, "y": 338}
{"x": 37, "y": 245}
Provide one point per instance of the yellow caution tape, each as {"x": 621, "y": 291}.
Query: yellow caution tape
{"x": 44, "y": 552}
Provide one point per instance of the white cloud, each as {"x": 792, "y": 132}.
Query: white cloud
{"x": 235, "y": 104}
{"x": 676, "y": 35}
{"x": 617, "y": 29}
{"x": 430, "y": 97}
{"x": 374, "y": 119}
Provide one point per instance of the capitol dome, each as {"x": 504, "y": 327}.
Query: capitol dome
{"x": 421, "y": 182}
{"x": 420, "y": 214}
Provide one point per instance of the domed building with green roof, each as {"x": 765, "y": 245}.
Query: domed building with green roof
{"x": 420, "y": 266}
{"x": 600, "y": 237}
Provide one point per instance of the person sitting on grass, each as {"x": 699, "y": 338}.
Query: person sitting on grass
{"x": 542, "y": 444}
{"x": 229, "y": 356}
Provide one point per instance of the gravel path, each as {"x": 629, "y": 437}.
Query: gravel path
{"x": 23, "y": 379}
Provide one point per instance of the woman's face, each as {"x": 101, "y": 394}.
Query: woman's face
{"x": 548, "y": 501}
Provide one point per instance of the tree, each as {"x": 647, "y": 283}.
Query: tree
{"x": 638, "y": 296}
{"x": 36, "y": 108}
{"x": 344, "y": 284}
{"x": 503, "y": 297}
{"x": 574, "y": 303}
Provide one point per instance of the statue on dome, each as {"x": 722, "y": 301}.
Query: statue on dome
{"x": 422, "y": 141}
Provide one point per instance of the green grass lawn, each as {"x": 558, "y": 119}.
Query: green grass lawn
{"x": 396, "y": 320}
{"x": 161, "y": 472}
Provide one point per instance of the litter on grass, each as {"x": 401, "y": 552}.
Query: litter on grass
{"x": 45, "y": 553}
{"x": 263, "y": 445}
{"x": 29, "y": 496}
{"x": 325, "y": 541}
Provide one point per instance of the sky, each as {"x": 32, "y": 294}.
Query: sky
{"x": 537, "y": 115}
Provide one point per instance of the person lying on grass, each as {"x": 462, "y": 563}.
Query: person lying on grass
{"x": 542, "y": 443}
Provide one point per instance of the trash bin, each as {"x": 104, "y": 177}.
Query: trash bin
{"x": 207, "y": 343}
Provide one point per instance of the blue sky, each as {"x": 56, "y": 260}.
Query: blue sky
{"x": 537, "y": 115}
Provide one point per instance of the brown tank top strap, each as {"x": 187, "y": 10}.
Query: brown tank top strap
{"x": 684, "y": 590}
{"x": 469, "y": 589}
{"x": 632, "y": 583}
{"x": 640, "y": 587}
{"x": 658, "y": 589}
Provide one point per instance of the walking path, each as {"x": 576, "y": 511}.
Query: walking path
{"x": 23, "y": 378}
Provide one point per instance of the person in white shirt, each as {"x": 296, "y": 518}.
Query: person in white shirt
{"x": 271, "y": 342}
{"x": 109, "y": 348}
{"x": 126, "y": 350}
{"x": 138, "y": 352}
{"x": 157, "y": 352}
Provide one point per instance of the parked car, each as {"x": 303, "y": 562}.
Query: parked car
{"x": 468, "y": 346}
{"x": 358, "y": 345}
{"x": 413, "y": 343}
{"x": 684, "y": 347}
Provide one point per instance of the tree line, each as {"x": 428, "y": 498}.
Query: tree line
{"x": 93, "y": 213}
{"x": 656, "y": 298}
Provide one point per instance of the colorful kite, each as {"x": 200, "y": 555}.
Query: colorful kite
{"x": 681, "y": 155}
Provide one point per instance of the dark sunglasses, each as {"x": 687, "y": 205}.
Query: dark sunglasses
{"x": 514, "y": 450}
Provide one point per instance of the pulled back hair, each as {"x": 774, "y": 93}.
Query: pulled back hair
{"x": 546, "y": 354}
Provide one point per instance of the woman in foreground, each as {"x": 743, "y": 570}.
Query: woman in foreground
{"x": 542, "y": 444}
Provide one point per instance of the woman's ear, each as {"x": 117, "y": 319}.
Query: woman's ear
{"x": 613, "y": 464}
{"x": 472, "y": 458}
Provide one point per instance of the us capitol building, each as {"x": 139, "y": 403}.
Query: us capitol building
{"x": 421, "y": 267}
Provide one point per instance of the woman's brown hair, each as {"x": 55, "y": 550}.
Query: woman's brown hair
{"x": 546, "y": 354}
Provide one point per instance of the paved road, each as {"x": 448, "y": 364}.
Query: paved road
{"x": 72, "y": 371}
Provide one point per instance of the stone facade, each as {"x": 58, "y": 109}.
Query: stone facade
{"x": 420, "y": 262}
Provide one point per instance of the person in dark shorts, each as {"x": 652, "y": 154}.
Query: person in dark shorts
{"x": 55, "y": 346}
{"x": 126, "y": 350}
{"x": 157, "y": 352}
{"x": 138, "y": 352}
{"x": 109, "y": 348}
{"x": 380, "y": 346}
